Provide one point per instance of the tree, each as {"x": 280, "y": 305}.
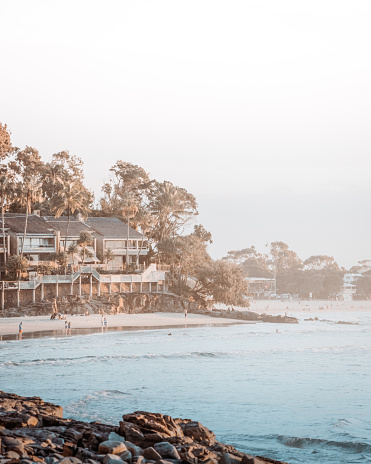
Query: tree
{"x": 16, "y": 265}
{"x": 253, "y": 263}
{"x": 70, "y": 200}
{"x": 173, "y": 207}
{"x": 126, "y": 179}
{"x": 28, "y": 192}
{"x": 5, "y": 142}
{"x": 72, "y": 251}
{"x": 224, "y": 281}
{"x": 129, "y": 210}
{"x": 108, "y": 255}
{"x": 145, "y": 221}
{"x": 7, "y": 190}
{"x": 85, "y": 240}
{"x": 63, "y": 169}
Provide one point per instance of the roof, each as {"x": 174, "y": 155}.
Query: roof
{"x": 74, "y": 229}
{"x": 110, "y": 227}
{"x": 35, "y": 224}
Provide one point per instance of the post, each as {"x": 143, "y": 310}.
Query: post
{"x": 91, "y": 286}
{"x": 71, "y": 291}
{"x": 80, "y": 285}
{"x": 33, "y": 296}
{"x": 57, "y": 288}
{"x": 157, "y": 287}
{"x": 150, "y": 287}
{"x": 98, "y": 287}
{"x": 3, "y": 296}
{"x": 18, "y": 294}
{"x": 131, "y": 284}
{"x": 42, "y": 291}
{"x": 110, "y": 284}
{"x": 120, "y": 286}
{"x": 141, "y": 283}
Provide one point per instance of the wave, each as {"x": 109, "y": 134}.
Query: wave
{"x": 301, "y": 442}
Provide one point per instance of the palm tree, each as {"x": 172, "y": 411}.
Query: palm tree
{"x": 84, "y": 242}
{"x": 69, "y": 200}
{"x": 129, "y": 210}
{"x": 7, "y": 189}
{"x": 28, "y": 192}
{"x": 146, "y": 221}
{"x": 72, "y": 251}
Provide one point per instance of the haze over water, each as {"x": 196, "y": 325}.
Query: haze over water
{"x": 300, "y": 395}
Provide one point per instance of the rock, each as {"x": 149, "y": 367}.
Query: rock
{"x": 134, "y": 450}
{"x": 112, "y": 447}
{"x": 112, "y": 459}
{"x": 12, "y": 455}
{"x": 228, "y": 458}
{"x": 69, "y": 449}
{"x": 198, "y": 432}
{"x": 126, "y": 456}
{"x": 247, "y": 459}
{"x": 151, "y": 454}
{"x": 166, "y": 450}
{"x": 13, "y": 444}
{"x": 69, "y": 460}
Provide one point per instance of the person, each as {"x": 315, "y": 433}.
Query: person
{"x": 105, "y": 322}
{"x": 65, "y": 325}
{"x": 20, "y": 329}
{"x": 185, "y": 313}
{"x": 102, "y": 321}
{"x": 69, "y": 325}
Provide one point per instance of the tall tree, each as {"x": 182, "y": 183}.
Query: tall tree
{"x": 69, "y": 200}
{"x": 129, "y": 210}
{"x": 173, "y": 207}
{"x": 125, "y": 179}
{"x": 7, "y": 191}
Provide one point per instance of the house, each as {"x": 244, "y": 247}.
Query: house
{"x": 41, "y": 238}
{"x": 261, "y": 287}
{"x": 115, "y": 235}
{"x": 73, "y": 228}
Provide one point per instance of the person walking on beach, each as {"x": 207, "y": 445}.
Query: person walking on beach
{"x": 69, "y": 326}
{"x": 20, "y": 329}
{"x": 65, "y": 325}
{"x": 105, "y": 323}
{"x": 185, "y": 313}
{"x": 102, "y": 321}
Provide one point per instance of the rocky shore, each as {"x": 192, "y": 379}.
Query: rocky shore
{"x": 32, "y": 430}
{"x": 135, "y": 303}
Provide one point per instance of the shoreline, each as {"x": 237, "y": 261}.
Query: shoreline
{"x": 43, "y": 326}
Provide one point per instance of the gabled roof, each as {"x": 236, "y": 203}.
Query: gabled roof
{"x": 35, "y": 224}
{"x": 74, "y": 229}
{"x": 110, "y": 227}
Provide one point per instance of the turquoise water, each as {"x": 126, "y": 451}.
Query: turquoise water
{"x": 301, "y": 395}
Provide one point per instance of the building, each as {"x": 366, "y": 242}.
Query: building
{"x": 113, "y": 234}
{"x": 350, "y": 286}
{"x": 41, "y": 239}
{"x": 69, "y": 234}
{"x": 261, "y": 287}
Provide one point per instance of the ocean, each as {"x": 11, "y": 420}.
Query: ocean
{"x": 301, "y": 395}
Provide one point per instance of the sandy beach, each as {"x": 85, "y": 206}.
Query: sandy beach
{"x": 43, "y": 325}
{"x": 37, "y": 324}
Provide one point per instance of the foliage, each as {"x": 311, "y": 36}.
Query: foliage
{"x": 16, "y": 265}
{"x": 45, "y": 269}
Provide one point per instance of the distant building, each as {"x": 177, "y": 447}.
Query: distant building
{"x": 350, "y": 286}
{"x": 261, "y": 287}
{"x": 4, "y": 247}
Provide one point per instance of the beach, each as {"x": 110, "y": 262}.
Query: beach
{"x": 43, "y": 324}
{"x": 92, "y": 322}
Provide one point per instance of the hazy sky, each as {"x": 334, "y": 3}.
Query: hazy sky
{"x": 261, "y": 109}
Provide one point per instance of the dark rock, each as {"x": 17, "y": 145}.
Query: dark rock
{"x": 166, "y": 450}
{"x": 112, "y": 447}
{"x": 151, "y": 454}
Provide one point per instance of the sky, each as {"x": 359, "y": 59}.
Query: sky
{"x": 261, "y": 109}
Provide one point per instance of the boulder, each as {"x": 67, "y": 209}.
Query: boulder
{"x": 151, "y": 454}
{"x": 112, "y": 459}
{"x": 112, "y": 447}
{"x": 166, "y": 450}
